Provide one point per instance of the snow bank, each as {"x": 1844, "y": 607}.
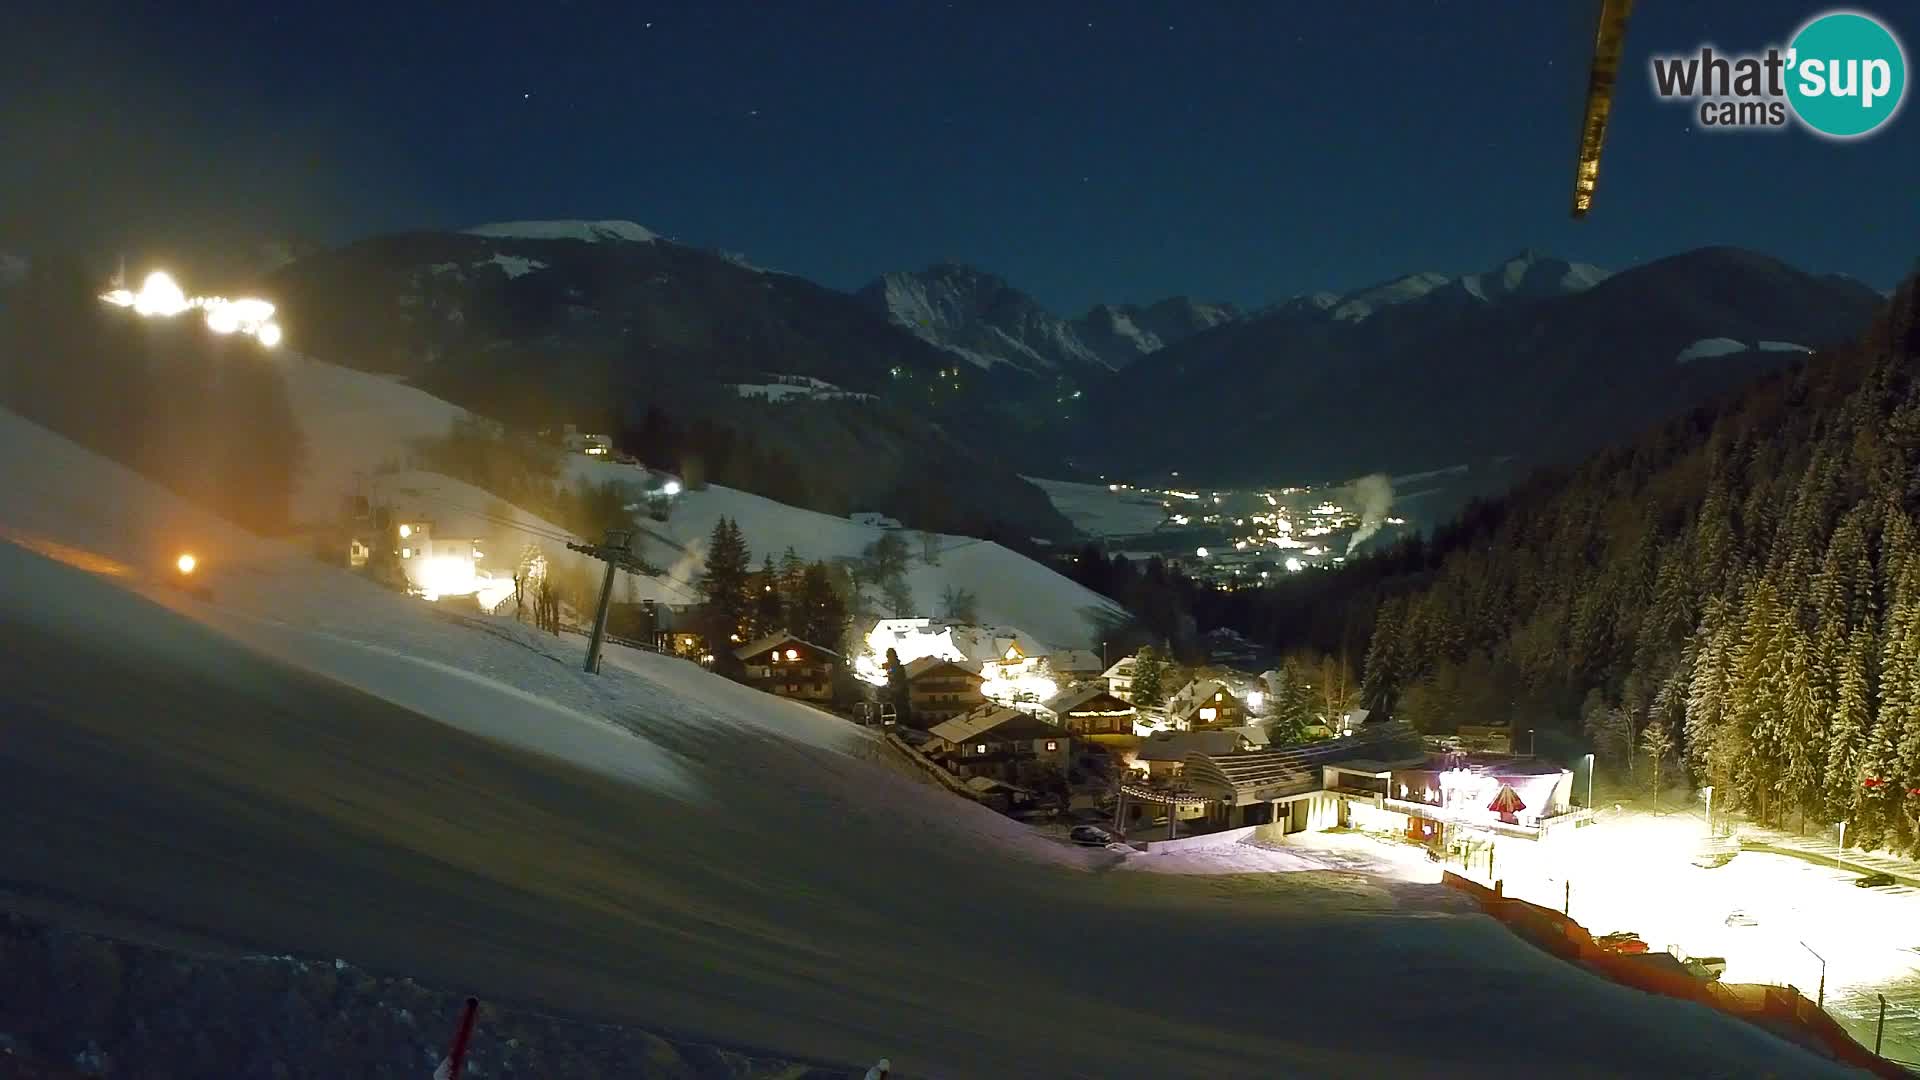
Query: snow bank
{"x": 590, "y": 231}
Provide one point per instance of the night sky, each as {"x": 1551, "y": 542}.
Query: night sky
{"x": 1086, "y": 151}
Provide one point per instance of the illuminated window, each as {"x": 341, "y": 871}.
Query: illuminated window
{"x": 980, "y": 748}
{"x": 1217, "y": 697}
{"x": 1051, "y": 745}
{"x": 406, "y": 531}
{"x": 793, "y": 654}
{"x": 406, "y": 553}
{"x": 1209, "y": 713}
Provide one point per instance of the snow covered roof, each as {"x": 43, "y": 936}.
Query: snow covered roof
{"x": 1176, "y": 745}
{"x": 1122, "y": 669}
{"x": 976, "y": 723}
{"x": 1074, "y": 660}
{"x": 592, "y": 232}
{"x": 917, "y": 668}
{"x": 1254, "y": 734}
{"x": 1195, "y": 694}
{"x": 755, "y": 648}
{"x": 1060, "y": 704}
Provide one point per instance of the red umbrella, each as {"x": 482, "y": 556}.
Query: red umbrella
{"x": 1506, "y": 804}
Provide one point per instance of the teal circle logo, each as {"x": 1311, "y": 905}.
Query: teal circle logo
{"x": 1847, "y": 74}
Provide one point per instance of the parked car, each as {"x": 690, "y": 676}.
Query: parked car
{"x": 1874, "y": 880}
{"x": 1708, "y": 968}
{"x": 1090, "y": 835}
{"x": 1741, "y": 918}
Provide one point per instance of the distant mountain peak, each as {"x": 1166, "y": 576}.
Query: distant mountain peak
{"x": 977, "y": 315}
{"x": 593, "y": 232}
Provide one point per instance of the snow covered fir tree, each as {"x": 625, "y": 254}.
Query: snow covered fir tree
{"x": 1737, "y": 594}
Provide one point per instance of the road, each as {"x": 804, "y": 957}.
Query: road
{"x": 163, "y": 775}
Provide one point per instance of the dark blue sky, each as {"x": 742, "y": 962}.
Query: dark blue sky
{"x": 1123, "y": 150}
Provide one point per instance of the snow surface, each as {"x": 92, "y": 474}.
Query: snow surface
{"x": 1097, "y": 511}
{"x": 355, "y": 422}
{"x": 1710, "y": 347}
{"x": 810, "y": 389}
{"x": 1010, "y": 589}
{"x": 818, "y": 899}
{"x": 1783, "y": 346}
{"x": 515, "y": 265}
{"x": 590, "y": 231}
{"x": 57, "y": 497}
{"x": 944, "y": 303}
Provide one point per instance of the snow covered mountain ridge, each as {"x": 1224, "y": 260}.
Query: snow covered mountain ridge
{"x": 593, "y": 232}
{"x": 1527, "y": 275}
{"x": 980, "y": 317}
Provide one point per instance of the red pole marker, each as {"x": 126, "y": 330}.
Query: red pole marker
{"x": 463, "y": 1034}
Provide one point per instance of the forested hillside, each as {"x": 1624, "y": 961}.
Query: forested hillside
{"x": 1737, "y": 593}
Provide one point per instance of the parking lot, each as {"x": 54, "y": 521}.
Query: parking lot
{"x": 1774, "y": 918}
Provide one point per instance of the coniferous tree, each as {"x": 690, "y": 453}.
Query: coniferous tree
{"x": 1848, "y": 733}
{"x": 793, "y": 572}
{"x": 1657, "y": 734}
{"x": 1802, "y": 730}
{"x": 824, "y": 613}
{"x": 1758, "y": 702}
{"x": 1149, "y": 672}
{"x": 723, "y": 586}
{"x": 769, "y": 607}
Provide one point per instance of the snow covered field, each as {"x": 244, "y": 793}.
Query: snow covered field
{"x": 354, "y": 422}
{"x": 692, "y": 854}
{"x": 1097, "y": 511}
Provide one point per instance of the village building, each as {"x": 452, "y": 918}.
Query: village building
{"x": 1163, "y": 754}
{"x": 1006, "y": 744}
{"x": 790, "y": 667}
{"x": 1119, "y": 679}
{"x": 1075, "y": 665}
{"x": 1091, "y": 712}
{"x": 1204, "y": 704}
{"x": 939, "y": 689}
{"x": 579, "y": 442}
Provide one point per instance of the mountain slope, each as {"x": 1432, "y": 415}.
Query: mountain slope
{"x": 543, "y": 323}
{"x": 981, "y": 318}
{"x": 353, "y": 422}
{"x": 1537, "y": 358}
{"x": 245, "y": 760}
{"x": 1121, "y": 334}
{"x": 1740, "y": 586}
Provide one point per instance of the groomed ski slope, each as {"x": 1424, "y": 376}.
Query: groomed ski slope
{"x": 660, "y": 846}
{"x": 355, "y": 422}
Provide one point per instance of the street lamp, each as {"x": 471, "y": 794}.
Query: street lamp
{"x": 1708, "y": 790}
{"x": 1842, "y": 846}
{"x": 1822, "y": 1002}
{"x": 1589, "y": 781}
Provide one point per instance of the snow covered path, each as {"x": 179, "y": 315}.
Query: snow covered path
{"x": 727, "y": 865}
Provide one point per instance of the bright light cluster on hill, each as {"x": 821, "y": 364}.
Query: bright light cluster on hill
{"x": 160, "y": 296}
{"x": 871, "y": 665}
